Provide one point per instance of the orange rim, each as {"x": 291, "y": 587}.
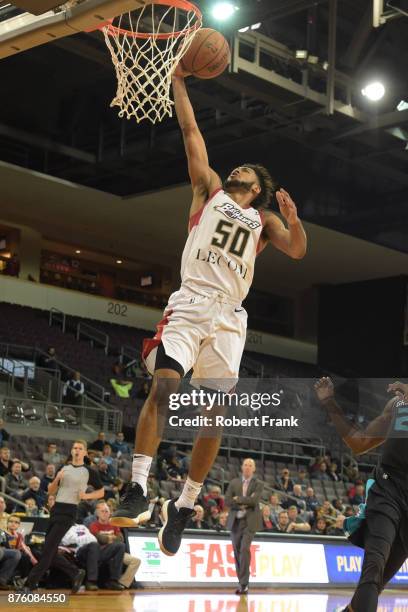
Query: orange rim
{"x": 180, "y": 4}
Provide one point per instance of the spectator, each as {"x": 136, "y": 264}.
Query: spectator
{"x": 74, "y": 390}
{"x": 4, "y": 516}
{"x": 358, "y": 497}
{"x": 213, "y": 515}
{"x": 338, "y": 505}
{"x": 321, "y": 473}
{"x": 48, "y": 360}
{"x": 300, "y": 499}
{"x": 34, "y": 490}
{"x": 121, "y": 387}
{"x": 327, "y": 511}
{"x": 284, "y": 482}
{"x": 51, "y": 456}
{"x": 6, "y": 463}
{"x": 15, "y": 482}
{"x": 283, "y": 522}
{"x": 16, "y": 542}
{"x": 49, "y": 504}
{"x": 320, "y": 527}
{"x": 112, "y": 504}
{"x": 312, "y": 503}
{"x": 4, "y": 435}
{"x": 302, "y": 477}
{"x": 215, "y": 495}
{"x": 31, "y": 507}
{"x": 106, "y": 533}
{"x": 222, "y": 522}
{"x": 99, "y": 443}
{"x": 107, "y": 457}
{"x": 349, "y": 511}
{"x": 175, "y": 470}
{"x": 197, "y": 521}
{"x": 48, "y": 477}
{"x": 106, "y": 476}
{"x": 275, "y": 508}
{"x": 267, "y": 524}
{"x": 333, "y": 472}
{"x": 295, "y": 522}
{"x": 9, "y": 559}
{"x": 92, "y": 556}
{"x": 153, "y": 487}
{"x": 120, "y": 446}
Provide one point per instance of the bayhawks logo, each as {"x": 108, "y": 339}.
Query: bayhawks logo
{"x": 230, "y": 211}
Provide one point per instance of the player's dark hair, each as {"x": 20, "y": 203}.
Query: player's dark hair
{"x": 267, "y": 184}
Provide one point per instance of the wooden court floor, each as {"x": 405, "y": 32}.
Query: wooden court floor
{"x": 211, "y": 600}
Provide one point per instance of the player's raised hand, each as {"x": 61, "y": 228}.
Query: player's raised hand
{"x": 287, "y": 207}
{"x": 324, "y": 388}
{"x": 399, "y": 388}
{"x": 180, "y": 71}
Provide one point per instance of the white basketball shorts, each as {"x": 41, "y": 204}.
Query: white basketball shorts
{"x": 203, "y": 332}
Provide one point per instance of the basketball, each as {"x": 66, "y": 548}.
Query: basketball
{"x": 208, "y": 56}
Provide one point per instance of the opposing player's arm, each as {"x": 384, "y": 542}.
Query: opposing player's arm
{"x": 204, "y": 180}
{"x": 360, "y": 440}
{"x": 291, "y": 240}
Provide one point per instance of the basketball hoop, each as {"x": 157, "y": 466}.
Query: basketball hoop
{"x": 146, "y": 45}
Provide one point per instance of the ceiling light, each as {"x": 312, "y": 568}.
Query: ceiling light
{"x": 223, "y": 10}
{"x": 374, "y": 91}
{"x": 256, "y": 26}
{"x": 325, "y": 65}
{"x": 242, "y": 30}
{"x": 119, "y": 261}
{"x": 403, "y": 105}
{"x": 78, "y": 252}
{"x": 301, "y": 54}
{"x": 313, "y": 59}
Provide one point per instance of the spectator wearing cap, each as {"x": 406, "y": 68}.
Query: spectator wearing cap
{"x": 285, "y": 482}
{"x": 302, "y": 477}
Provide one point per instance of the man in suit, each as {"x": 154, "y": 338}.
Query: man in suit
{"x": 244, "y": 518}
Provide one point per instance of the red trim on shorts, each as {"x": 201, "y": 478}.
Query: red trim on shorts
{"x": 260, "y": 247}
{"x": 195, "y": 219}
{"x": 151, "y": 343}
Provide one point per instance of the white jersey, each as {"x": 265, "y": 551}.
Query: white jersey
{"x": 221, "y": 248}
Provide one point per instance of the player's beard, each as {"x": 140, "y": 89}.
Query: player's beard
{"x": 235, "y": 184}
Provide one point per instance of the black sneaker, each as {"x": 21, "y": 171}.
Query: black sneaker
{"x": 174, "y": 523}
{"x": 113, "y": 585}
{"x": 133, "y": 508}
{"x": 77, "y": 581}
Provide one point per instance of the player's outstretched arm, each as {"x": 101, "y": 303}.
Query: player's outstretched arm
{"x": 291, "y": 239}
{"x": 359, "y": 440}
{"x": 203, "y": 179}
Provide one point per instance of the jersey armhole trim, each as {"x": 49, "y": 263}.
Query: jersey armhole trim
{"x": 195, "y": 219}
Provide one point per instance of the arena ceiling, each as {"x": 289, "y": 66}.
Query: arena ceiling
{"x": 347, "y": 169}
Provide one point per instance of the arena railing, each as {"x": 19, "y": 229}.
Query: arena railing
{"x": 68, "y": 416}
{"x": 59, "y": 317}
{"x": 84, "y": 330}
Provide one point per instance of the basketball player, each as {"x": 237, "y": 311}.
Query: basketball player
{"x": 69, "y": 485}
{"x": 204, "y": 324}
{"x": 384, "y": 532}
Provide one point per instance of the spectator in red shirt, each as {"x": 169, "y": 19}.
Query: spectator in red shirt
{"x": 106, "y": 533}
{"x": 215, "y": 495}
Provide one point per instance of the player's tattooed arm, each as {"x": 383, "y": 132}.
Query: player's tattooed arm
{"x": 292, "y": 239}
{"x": 204, "y": 180}
{"x": 360, "y": 440}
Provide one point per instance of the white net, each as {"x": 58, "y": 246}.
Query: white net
{"x": 146, "y": 46}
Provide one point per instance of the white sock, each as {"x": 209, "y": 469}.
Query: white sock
{"x": 189, "y": 494}
{"x": 140, "y": 470}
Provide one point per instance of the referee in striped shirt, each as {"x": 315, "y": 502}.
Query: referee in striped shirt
{"x": 69, "y": 485}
